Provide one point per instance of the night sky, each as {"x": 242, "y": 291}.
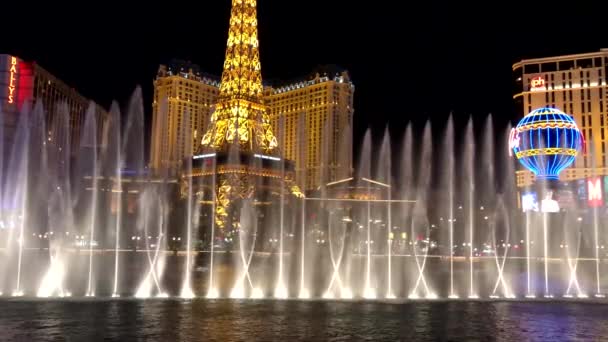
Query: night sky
{"x": 411, "y": 62}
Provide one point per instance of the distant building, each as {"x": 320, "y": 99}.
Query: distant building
{"x": 306, "y": 109}
{"x": 179, "y": 88}
{"x": 313, "y": 122}
{"x": 577, "y": 85}
{"x": 25, "y": 83}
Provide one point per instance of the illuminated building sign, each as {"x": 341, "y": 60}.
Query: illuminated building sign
{"x": 537, "y": 83}
{"x": 594, "y": 188}
{"x": 12, "y": 81}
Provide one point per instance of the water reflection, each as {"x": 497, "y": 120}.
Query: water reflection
{"x": 223, "y": 320}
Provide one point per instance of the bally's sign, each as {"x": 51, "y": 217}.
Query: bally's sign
{"x": 12, "y": 81}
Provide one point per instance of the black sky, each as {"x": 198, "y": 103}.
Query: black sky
{"x": 409, "y": 60}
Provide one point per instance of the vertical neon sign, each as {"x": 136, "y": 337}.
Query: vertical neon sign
{"x": 12, "y": 84}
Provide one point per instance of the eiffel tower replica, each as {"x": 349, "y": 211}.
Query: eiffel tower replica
{"x": 239, "y": 148}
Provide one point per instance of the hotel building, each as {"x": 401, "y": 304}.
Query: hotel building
{"x": 24, "y": 83}
{"x": 312, "y": 120}
{"x": 179, "y": 88}
{"x": 575, "y": 84}
{"x": 313, "y": 123}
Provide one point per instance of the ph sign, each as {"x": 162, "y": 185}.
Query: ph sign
{"x": 537, "y": 82}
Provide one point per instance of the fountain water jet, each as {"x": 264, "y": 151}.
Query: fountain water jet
{"x": 212, "y": 291}
{"x": 186, "y": 291}
{"x": 52, "y": 282}
{"x": 280, "y": 289}
{"x": 469, "y": 152}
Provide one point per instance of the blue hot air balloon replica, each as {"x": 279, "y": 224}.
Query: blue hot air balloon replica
{"x": 546, "y": 141}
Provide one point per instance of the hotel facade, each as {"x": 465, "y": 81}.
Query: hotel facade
{"x": 575, "y": 84}
{"x": 24, "y": 83}
{"x": 311, "y": 118}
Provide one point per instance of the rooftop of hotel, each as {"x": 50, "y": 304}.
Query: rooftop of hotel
{"x": 601, "y": 52}
{"x": 189, "y": 70}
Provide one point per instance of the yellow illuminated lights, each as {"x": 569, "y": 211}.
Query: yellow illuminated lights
{"x": 240, "y": 116}
{"x": 546, "y": 152}
{"x": 543, "y": 125}
{"x": 12, "y": 84}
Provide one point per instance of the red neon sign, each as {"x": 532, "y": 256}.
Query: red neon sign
{"x": 537, "y": 82}
{"x": 594, "y": 188}
{"x": 12, "y": 83}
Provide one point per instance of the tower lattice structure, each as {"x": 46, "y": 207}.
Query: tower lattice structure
{"x": 240, "y": 120}
{"x": 240, "y": 115}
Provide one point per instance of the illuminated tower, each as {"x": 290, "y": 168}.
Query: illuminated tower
{"x": 241, "y": 123}
{"x": 240, "y": 115}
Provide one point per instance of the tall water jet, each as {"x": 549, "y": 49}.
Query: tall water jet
{"x": 501, "y": 213}
{"x": 280, "y": 288}
{"x": 113, "y": 163}
{"x": 488, "y": 197}
{"x": 54, "y": 187}
{"x": 186, "y": 291}
{"x": 18, "y": 190}
{"x": 420, "y": 222}
{"x": 406, "y": 186}
{"x": 369, "y": 292}
{"x": 89, "y": 169}
{"x": 596, "y": 247}
{"x": 212, "y": 291}
{"x": 572, "y": 242}
{"x": 469, "y": 168}
{"x": 304, "y": 293}
{"x": 448, "y": 160}
{"x": 595, "y": 184}
{"x": 384, "y": 175}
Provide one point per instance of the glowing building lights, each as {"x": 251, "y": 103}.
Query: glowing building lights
{"x": 204, "y": 156}
{"x": 241, "y": 116}
{"x": 262, "y": 156}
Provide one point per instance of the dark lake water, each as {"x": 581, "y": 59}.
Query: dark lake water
{"x": 226, "y": 320}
